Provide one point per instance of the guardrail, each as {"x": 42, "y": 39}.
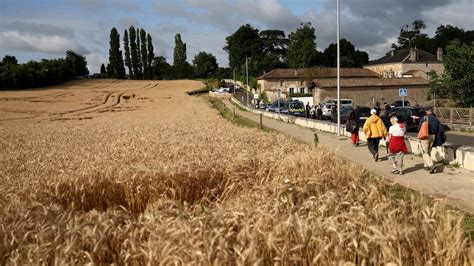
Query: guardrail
{"x": 455, "y": 116}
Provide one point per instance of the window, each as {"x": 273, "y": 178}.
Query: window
{"x": 301, "y": 90}
{"x": 292, "y": 90}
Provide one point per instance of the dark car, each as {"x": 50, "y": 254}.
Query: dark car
{"x": 296, "y": 108}
{"x": 364, "y": 113}
{"x": 344, "y": 112}
{"x": 400, "y": 103}
{"x": 410, "y": 116}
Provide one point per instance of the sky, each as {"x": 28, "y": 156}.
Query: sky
{"x": 36, "y": 29}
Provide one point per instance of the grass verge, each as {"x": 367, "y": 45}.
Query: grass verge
{"x": 234, "y": 118}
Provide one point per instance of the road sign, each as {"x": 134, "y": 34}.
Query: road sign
{"x": 403, "y": 92}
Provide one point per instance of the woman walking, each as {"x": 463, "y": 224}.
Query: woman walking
{"x": 397, "y": 147}
{"x": 352, "y": 125}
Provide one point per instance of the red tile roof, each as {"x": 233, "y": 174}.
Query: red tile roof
{"x": 319, "y": 72}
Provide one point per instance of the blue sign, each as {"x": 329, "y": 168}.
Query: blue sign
{"x": 403, "y": 92}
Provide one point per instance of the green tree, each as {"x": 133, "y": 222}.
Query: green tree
{"x": 350, "y": 57}
{"x": 409, "y": 34}
{"x": 9, "y": 59}
{"x": 135, "y": 56}
{"x": 144, "y": 53}
{"x": 139, "y": 54}
{"x": 302, "y": 46}
{"x": 458, "y": 78}
{"x": 102, "y": 69}
{"x": 151, "y": 55}
{"x": 161, "y": 68}
{"x": 126, "y": 48}
{"x": 205, "y": 65}
{"x": 275, "y": 48}
{"x": 245, "y": 43}
{"x": 76, "y": 64}
{"x": 180, "y": 66}
{"x": 115, "y": 55}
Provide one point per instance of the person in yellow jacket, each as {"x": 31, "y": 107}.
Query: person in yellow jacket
{"x": 375, "y": 130}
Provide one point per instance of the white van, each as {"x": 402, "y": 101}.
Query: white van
{"x": 328, "y": 105}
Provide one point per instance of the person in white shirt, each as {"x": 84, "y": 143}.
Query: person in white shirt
{"x": 397, "y": 147}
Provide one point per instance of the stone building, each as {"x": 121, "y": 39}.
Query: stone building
{"x": 363, "y": 86}
{"x": 368, "y": 91}
{"x": 301, "y": 81}
{"x": 407, "y": 63}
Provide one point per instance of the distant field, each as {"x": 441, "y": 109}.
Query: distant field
{"x": 138, "y": 172}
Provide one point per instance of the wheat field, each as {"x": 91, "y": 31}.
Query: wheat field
{"x": 140, "y": 173}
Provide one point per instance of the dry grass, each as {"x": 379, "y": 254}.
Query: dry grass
{"x": 172, "y": 182}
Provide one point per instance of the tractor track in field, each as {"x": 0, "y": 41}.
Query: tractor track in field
{"x": 111, "y": 100}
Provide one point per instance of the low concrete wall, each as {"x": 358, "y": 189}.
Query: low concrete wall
{"x": 462, "y": 155}
{"x": 224, "y": 95}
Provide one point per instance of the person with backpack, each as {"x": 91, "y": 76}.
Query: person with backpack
{"x": 352, "y": 125}
{"x": 431, "y": 134}
{"x": 396, "y": 144}
{"x": 375, "y": 130}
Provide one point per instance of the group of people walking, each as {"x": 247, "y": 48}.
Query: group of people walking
{"x": 431, "y": 134}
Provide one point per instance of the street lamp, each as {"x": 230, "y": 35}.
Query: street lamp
{"x": 247, "y": 73}
{"x": 338, "y": 71}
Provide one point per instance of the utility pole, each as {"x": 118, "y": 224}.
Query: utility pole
{"x": 247, "y": 72}
{"x": 338, "y": 71}
{"x": 234, "y": 82}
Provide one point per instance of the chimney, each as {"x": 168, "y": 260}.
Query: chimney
{"x": 392, "y": 53}
{"x": 413, "y": 54}
{"x": 439, "y": 54}
{"x": 296, "y": 72}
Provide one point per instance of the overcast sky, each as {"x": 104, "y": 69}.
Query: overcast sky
{"x": 35, "y": 29}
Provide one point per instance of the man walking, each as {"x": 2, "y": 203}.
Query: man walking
{"x": 375, "y": 130}
{"x": 436, "y": 138}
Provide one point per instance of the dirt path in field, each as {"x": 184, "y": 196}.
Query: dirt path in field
{"x": 454, "y": 184}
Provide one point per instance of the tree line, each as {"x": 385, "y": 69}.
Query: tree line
{"x": 140, "y": 60}
{"x": 41, "y": 73}
{"x": 270, "y": 49}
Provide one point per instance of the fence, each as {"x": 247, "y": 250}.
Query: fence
{"x": 455, "y": 116}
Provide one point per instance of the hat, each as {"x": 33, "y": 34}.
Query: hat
{"x": 373, "y": 112}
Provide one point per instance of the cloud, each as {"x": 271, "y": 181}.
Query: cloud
{"x": 37, "y": 37}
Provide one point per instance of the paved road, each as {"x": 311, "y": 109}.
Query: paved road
{"x": 454, "y": 184}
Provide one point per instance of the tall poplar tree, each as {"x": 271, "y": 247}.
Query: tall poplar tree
{"x": 144, "y": 54}
{"x": 134, "y": 52}
{"x": 115, "y": 55}
{"x": 139, "y": 61}
{"x": 151, "y": 55}
{"x": 126, "y": 48}
{"x": 179, "y": 57}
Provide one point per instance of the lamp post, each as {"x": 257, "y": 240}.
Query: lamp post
{"x": 338, "y": 71}
{"x": 247, "y": 73}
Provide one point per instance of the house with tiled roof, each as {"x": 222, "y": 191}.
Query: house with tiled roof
{"x": 407, "y": 62}
{"x": 362, "y": 85}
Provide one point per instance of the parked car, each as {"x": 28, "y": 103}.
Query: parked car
{"x": 410, "y": 116}
{"x": 364, "y": 113}
{"x": 400, "y": 103}
{"x": 328, "y": 106}
{"x": 296, "y": 108}
{"x": 344, "y": 112}
{"x": 274, "y": 107}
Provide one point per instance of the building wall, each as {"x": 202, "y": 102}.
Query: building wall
{"x": 438, "y": 67}
{"x": 370, "y": 95}
{"x": 397, "y": 69}
{"x": 271, "y": 86}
